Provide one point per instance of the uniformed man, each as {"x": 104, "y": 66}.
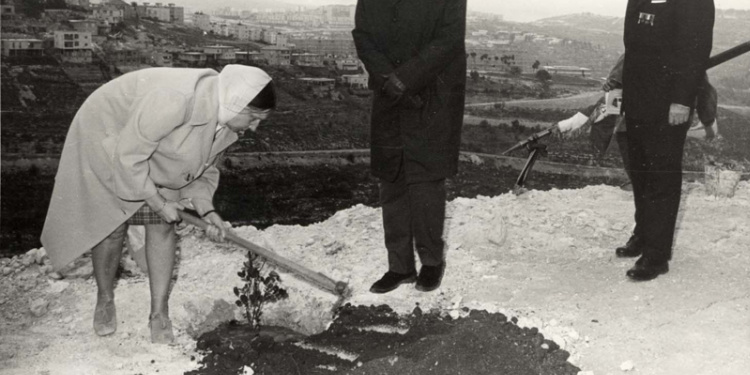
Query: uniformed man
{"x": 414, "y": 53}
{"x": 667, "y": 45}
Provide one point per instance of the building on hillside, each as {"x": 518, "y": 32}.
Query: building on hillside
{"x": 348, "y": 64}
{"x": 250, "y": 57}
{"x": 128, "y": 12}
{"x": 202, "y": 21}
{"x": 73, "y": 46}
{"x": 109, "y": 13}
{"x": 220, "y": 28}
{"x": 245, "y": 32}
{"x": 192, "y": 59}
{"x": 278, "y": 56}
{"x": 169, "y": 13}
{"x": 336, "y": 47}
{"x": 357, "y": 81}
{"x": 103, "y": 28}
{"x": 275, "y": 38}
{"x": 325, "y": 83}
{"x": 78, "y": 3}
{"x": 339, "y": 15}
{"x": 307, "y": 59}
{"x": 567, "y": 70}
{"x": 221, "y": 54}
{"x": 7, "y": 9}
{"x": 158, "y": 13}
{"x": 176, "y": 14}
{"x": 22, "y": 47}
{"x": 89, "y": 26}
{"x": 124, "y": 57}
{"x": 164, "y": 56}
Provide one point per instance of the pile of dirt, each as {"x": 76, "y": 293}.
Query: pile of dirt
{"x": 544, "y": 258}
{"x": 376, "y": 340}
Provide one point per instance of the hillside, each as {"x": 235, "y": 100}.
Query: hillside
{"x": 732, "y": 78}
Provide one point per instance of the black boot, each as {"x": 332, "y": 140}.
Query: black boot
{"x": 646, "y": 269}
{"x": 430, "y": 277}
{"x": 631, "y": 249}
{"x": 391, "y": 281}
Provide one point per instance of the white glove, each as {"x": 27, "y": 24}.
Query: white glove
{"x": 573, "y": 123}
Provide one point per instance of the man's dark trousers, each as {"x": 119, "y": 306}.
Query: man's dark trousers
{"x": 413, "y": 215}
{"x": 655, "y": 158}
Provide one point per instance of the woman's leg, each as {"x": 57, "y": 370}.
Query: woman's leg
{"x": 161, "y": 245}
{"x": 106, "y": 259}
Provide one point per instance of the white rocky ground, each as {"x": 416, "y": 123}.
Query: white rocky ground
{"x": 544, "y": 257}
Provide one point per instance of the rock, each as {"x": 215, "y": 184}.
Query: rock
{"x": 574, "y": 335}
{"x": 57, "y": 287}
{"x": 627, "y": 366}
{"x": 205, "y": 315}
{"x": 82, "y": 268}
{"x": 476, "y": 160}
{"x": 55, "y": 276}
{"x": 45, "y": 269}
{"x": 585, "y": 373}
{"x": 39, "y": 307}
{"x": 7, "y": 271}
{"x": 456, "y": 301}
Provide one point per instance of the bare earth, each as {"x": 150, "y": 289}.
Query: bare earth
{"x": 546, "y": 258}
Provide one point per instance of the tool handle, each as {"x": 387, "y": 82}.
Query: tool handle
{"x": 727, "y": 55}
{"x": 314, "y": 278}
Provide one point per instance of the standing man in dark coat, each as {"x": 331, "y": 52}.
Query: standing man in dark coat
{"x": 414, "y": 52}
{"x": 667, "y": 45}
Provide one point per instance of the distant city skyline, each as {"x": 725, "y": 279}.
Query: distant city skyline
{"x": 511, "y": 10}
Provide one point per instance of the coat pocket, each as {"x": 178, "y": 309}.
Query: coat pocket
{"x": 173, "y": 170}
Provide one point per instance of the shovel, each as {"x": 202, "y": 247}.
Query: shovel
{"x": 317, "y": 279}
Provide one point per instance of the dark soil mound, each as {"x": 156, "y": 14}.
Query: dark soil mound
{"x": 420, "y": 343}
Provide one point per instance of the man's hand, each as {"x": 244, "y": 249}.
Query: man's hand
{"x": 678, "y": 114}
{"x": 217, "y": 228}
{"x": 393, "y": 87}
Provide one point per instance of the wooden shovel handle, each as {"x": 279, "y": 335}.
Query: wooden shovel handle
{"x": 317, "y": 279}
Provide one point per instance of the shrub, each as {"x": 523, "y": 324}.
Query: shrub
{"x": 258, "y": 290}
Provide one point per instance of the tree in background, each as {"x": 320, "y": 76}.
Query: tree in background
{"x": 545, "y": 83}
{"x": 535, "y": 65}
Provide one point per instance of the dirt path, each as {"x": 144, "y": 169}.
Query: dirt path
{"x": 571, "y": 102}
{"x": 545, "y": 258}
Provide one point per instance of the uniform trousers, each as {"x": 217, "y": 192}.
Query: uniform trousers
{"x": 655, "y": 161}
{"x": 413, "y": 216}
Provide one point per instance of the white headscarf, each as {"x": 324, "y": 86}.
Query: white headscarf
{"x": 238, "y": 85}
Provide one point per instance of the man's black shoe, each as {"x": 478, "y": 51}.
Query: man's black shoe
{"x": 631, "y": 249}
{"x": 645, "y": 270}
{"x": 391, "y": 281}
{"x": 430, "y": 277}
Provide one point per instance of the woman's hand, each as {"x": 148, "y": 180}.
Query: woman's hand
{"x": 167, "y": 210}
{"x": 217, "y": 228}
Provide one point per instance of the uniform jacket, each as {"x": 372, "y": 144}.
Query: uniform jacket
{"x": 422, "y": 42}
{"x": 667, "y": 45}
{"x": 147, "y": 131}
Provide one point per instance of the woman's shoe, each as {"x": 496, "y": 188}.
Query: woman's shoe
{"x": 161, "y": 329}
{"x": 105, "y": 318}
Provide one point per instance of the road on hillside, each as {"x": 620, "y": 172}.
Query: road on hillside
{"x": 571, "y": 102}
